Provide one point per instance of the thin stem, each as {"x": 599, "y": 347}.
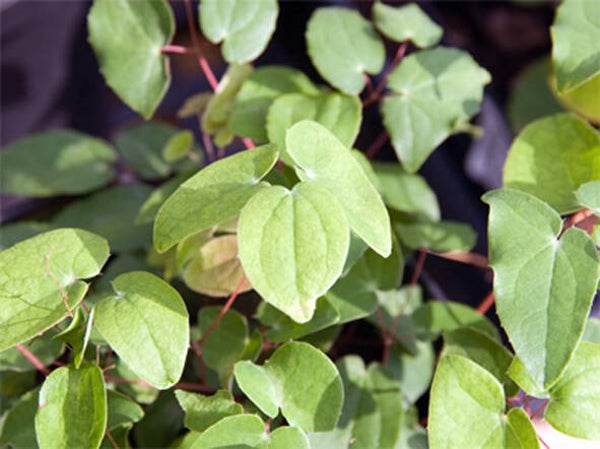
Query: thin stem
{"x": 377, "y": 145}
{"x": 467, "y": 257}
{"x": 208, "y": 146}
{"x": 208, "y": 73}
{"x": 543, "y": 442}
{"x": 486, "y": 303}
{"x": 397, "y": 58}
{"x": 31, "y": 358}
{"x": 111, "y": 439}
{"x": 248, "y": 143}
{"x": 418, "y": 268}
{"x": 223, "y": 311}
{"x": 178, "y": 49}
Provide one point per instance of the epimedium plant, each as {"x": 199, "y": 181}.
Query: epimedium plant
{"x": 97, "y": 300}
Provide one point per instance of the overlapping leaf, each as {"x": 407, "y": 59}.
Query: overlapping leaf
{"x": 406, "y": 22}
{"x": 201, "y": 411}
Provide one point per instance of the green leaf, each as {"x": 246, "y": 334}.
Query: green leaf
{"x": 413, "y": 372}
{"x": 470, "y": 401}
{"x": 77, "y": 334}
{"x": 575, "y": 399}
{"x": 344, "y": 58}
{"x": 588, "y": 195}
{"x": 121, "y": 410}
{"x": 215, "y": 194}
{"x": 591, "y": 332}
{"x": 298, "y": 379}
{"x": 157, "y": 198}
{"x": 484, "y": 351}
{"x": 110, "y": 213}
{"x": 551, "y": 158}
{"x": 54, "y": 163}
{"x": 72, "y": 408}
{"x": 18, "y": 429}
{"x": 244, "y": 27}
{"x": 215, "y": 270}
{"x": 442, "y": 236}
{"x": 45, "y": 349}
{"x": 140, "y": 391}
{"x": 575, "y": 57}
{"x": 406, "y": 192}
{"x": 407, "y": 22}
{"x": 202, "y": 411}
{"x": 518, "y": 372}
{"x": 127, "y": 37}
{"x": 341, "y": 114}
{"x": 539, "y": 274}
{"x": 248, "y": 432}
{"x": 35, "y": 275}
{"x": 293, "y": 245}
{"x": 143, "y": 146}
{"x": 435, "y": 94}
{"x": 146, "y": 323}
{"x": 15, "y": 232}
{"x": 322, "y": 158}
{"x": 178, "y": 146}
{"x": 263, "y": 86}
{"x": 584, "y": 99}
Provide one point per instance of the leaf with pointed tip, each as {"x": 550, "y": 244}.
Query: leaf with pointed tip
{"x": 588, "y": 195}
{"x": 544, "y": 282}
{"x": 407, "y": 22}
{"x": 434, "y": 95}
{"x": 293, "y": 245}
{"x": 343, "y": 58}
{"x": 551, "y": 158}
{"x": 323, "y": 159}
{"x": 54, "y": 163}
{"x": 244, "y": 27}
{"x": 216, "y": 194}
{"x": 146, "y": 323}
{"x": 574, "y": 404}
{"x": 127, "y": 37}
{"x": 72, "y": 408}
{"x": 202, "y": 411}
{"x": 263, "y": 86}
{"x": 298, "y": 379}
{"x": 36, "y": 273}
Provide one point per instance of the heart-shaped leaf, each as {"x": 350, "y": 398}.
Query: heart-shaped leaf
{"x": 146, "y": 323}
{"x": 542, "y": 275}
{"x": 127, "y": 37}
{"x": 407, "y": 22}
{"x": 293, "y": 245}
{"x": 40, "y": 280}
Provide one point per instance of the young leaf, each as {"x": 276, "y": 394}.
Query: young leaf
{"x": 127, "y": 37}
{"x": 56, "y": 163}
{"x": 77, "y": 334}
{"x": 322, "y": 158}
{"x": 588, "y": 195}
{"x": 146, "y": 323}
{"x": 466, "y": 410}
{"x": 215, "y": 194}
{"x": 344, "y": 58}
{"x": 575, "y": 399}
{"x": 551, "y": 158}
{"x": 110, "y": 213}
{"x": 293, "y": 245}
{"x": 435, "y": 93}
{"x": 244, "y": 27}
{"x": 72, "y": 408}
{"x": 40, "y": 280}
{"x": 178, "y": 146}
{"x": 407, "y": 22}
{"x": 548, "y": 278}
{"x": 263, "y": 86}
{"x": 341, "y": 114}
{"x": 201, "y": 411}
{"x": 298, "y": 379}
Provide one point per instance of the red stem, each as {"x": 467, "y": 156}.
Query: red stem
{"x": 208, "y": 73}
{"x": 377, "y": 145}
{"x": 397, "y": 58}
{"x": 486, "y": 303}
{"x": 178, "y": 49}
{"x": 33, "y": 359}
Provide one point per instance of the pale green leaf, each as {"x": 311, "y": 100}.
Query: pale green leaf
{"x": 341, "y": 114}
{"x": 244, "y": 27}
{"x": 407, "y": 22}
{"x": 156, "y": 199}
{"x": 406, "y": 192}
{"x": 591, "y": 332}
{"x": 434, "y": 95}
{"x": 584, "y": 99}
{"x": 127, "y": 37}
{"x": 212, "y": 196}
{"x": 202, "y": 411}
{"x": 45, "y": 349}
{"x": 34, "y": 275}
{"x": 518, "y": 372}
{"x": 263, "y": 86}
{"x": 178, "y": 146}
{"x": 298, "y": 379}
{"x": 56, "y": 163}
{"x": 551, "y": 158}
{"x": 343, "y": 46}
{"x": 413, "y": 372}
{"x": 293, "y": 245}
{"x": 544, "y": 282}
{"x": 111, "y": 213}
{"x": 76, "y": 334}
{"x": 146, "y": 323}
{"x": 72, "y": 408}
{"x": 441, "y": 236}
{"x": 520, "y": 432}
{"x": 574, "y": 404}
{"x": 322, "y": 158}
{"x": 588, "y": 195}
